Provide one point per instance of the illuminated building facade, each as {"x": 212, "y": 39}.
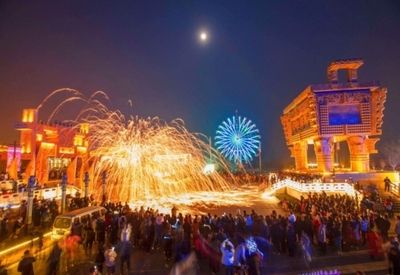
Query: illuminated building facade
{"x": 10, "y": 160}
{"x": 324, "y": 115}
{"x": 49, "y": 150}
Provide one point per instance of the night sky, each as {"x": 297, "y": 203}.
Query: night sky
{"x": 259, "y": 57}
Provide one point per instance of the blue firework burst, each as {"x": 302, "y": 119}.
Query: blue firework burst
{"x": 238, "y": 139}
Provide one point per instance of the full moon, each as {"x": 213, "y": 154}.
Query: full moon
{"x": 203, "y": 36}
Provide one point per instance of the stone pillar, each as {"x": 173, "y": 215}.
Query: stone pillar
{"x": 299, "y": 152}
{"x": 29, "y": 171}
{"x": 86, "y": 181}
{"x": 63, "y": 192}
{"x": 30, "y": 187}
{"x": 323, "y": 147}
{"x": 332, "y": 75}
{"x": 71, "y": 171}
{"x": 359, "y": 154}
{"x": 42, "y": 165}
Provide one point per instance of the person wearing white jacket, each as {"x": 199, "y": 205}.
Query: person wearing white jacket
{"x": 111, "y": 257}
{"x": 228, "y": 256}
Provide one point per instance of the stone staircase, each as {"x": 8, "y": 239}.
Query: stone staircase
{"x": 396, "y": 206}
{"x": 394, "y": 196}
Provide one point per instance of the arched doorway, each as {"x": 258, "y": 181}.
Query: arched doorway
{"x": 311, "y": 157}
{"x": 342, "y": 155}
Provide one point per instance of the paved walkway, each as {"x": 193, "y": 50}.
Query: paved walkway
{"x": 155, "y": 263}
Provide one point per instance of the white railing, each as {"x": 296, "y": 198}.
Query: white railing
{"x": 14, "y": 199}
{"x": 334, "y": 187}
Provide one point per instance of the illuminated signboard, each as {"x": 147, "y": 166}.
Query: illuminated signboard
{"x": 344, "y": 114}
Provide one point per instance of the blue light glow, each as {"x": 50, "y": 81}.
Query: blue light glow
{"x": 238, "y": 139}
{"x": 344, "y": 114}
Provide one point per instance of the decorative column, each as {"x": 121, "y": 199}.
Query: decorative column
{"x": 86, "y": 181}
{"x": 332, "y": 75}
{"x": 103, "y": 183}
{"x": 31, "y": 184}
{"x": 71, "y": 171}
{"x": 63, "y": 192}
{"x": 299, "y": 152}
{"x": 323, "y": 147}
{"x": 359, "y": 153}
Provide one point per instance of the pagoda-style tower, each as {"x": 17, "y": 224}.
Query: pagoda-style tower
{"x": 325, "y": 114}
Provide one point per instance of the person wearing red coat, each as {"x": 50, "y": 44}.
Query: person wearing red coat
{"x": 374, "y": 244}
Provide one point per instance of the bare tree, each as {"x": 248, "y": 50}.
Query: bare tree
{"x": 391, "y": 151}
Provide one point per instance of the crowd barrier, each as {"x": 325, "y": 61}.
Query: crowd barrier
{"x": 14, "y": 199}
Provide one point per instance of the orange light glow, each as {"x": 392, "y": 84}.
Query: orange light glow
{"x": 50, "y": 132}
{"x": 146, "y": 159}
{"x": 47, "y": 145}
{"x": 78, "y": 140}
{"x": 84, "y": 129}
{"x": 28, "y": 115}
{"x": 81, "y": 149}
{"x": 66, "y": 150}
{"x": 26, "y": 149}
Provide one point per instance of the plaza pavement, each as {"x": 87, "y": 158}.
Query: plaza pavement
{"x": 154, "y": 263}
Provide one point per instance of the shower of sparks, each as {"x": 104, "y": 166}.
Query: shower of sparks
{"x": 148, "y": 158}
{"x": 147, "y": 161}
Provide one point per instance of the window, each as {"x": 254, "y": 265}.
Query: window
{"x": 85, "y": 218}
{"x": 62, "y": 222}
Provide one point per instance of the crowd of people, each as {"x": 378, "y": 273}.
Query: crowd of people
{"x": 230, "y": 243}
{"x": 13, "y": 222}
{"x": 225, "y": 242}
{"x": 234, "y": 244}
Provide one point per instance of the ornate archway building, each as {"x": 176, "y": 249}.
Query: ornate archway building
{"x": 325, "y": 114}
{"x": 47, "y": 150}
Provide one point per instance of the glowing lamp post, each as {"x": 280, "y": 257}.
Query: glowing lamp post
{"x": 63, "y": 192}
{"x": 86, "y": 181}
{"x": 31, "y": 184}
{"x": 34, "y": 141}
{"x": 103, "y": 183}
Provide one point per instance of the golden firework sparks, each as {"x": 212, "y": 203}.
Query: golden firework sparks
{"x": 146, "y": 159}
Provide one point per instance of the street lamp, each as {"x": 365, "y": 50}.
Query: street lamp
{"x": 31, "y": 186}
{"x": 86, "y": 181}
{"x": 33, "y": 139}
{"x": 63, "y": 192}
